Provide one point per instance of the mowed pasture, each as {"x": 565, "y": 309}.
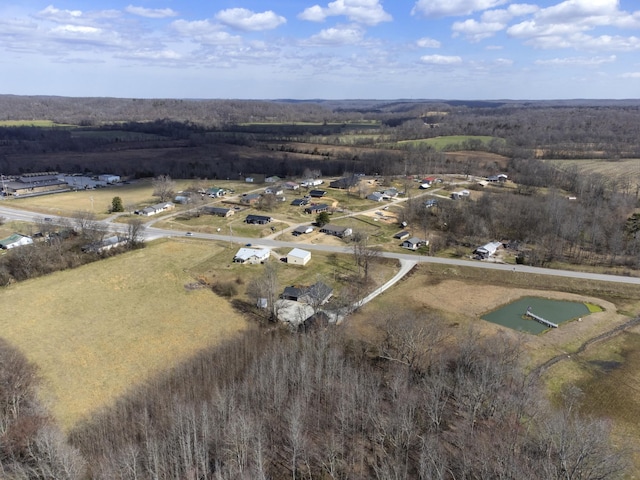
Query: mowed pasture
{"x": 97, "y": 331}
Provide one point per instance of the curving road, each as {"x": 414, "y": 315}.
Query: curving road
{"x": 152, "y": 233}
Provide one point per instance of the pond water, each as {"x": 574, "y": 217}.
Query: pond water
{"x": 556, "y": 311}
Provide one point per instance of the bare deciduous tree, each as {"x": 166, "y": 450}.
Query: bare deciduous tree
{"x": 163, "y": 187}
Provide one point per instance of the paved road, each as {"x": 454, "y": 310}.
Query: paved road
{"x": 152, "y": 233}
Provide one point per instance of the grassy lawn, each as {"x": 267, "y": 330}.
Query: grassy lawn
{"x": 97, "y": 331}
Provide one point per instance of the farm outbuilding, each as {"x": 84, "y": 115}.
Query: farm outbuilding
{"x": 109, "y": 178}
{"x": 15, "y": 240}
{"x": 298, "y": 256}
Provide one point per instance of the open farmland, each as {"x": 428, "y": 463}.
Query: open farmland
{"x": 623, "y": 171}
{"x": 97, "y": 331}
{"x": 442, "y": 143}
{"x": 134, "y": 195}
{"x": 97, "y": 201}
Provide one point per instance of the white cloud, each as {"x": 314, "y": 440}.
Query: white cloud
{"x": 76, "y": 30}
{"x": 427, "y": 42}
{"x": 368, "y": 12}
{"x": 476, "y": 31}
{"x": 444, "y": 8}
{"x": 56, "y": 15}
{"x": 631, "y": 75}
{"x": 151, "y": 12}
{"x": 564, "y": 25}
{"x": 151, "y": 55}
{"x": 491, "y": 22}
{"x": 575, "y": 10}
{"x": 441, "y": 60}
{"x": 340, "y": 35}
{"x": 577, "y": 61}
{"x": 246, "y": 20}
{"x": 205, "y": 32}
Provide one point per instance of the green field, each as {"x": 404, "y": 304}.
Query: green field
{"x": 451, "y": 141}
{"x": 97, "y": 331}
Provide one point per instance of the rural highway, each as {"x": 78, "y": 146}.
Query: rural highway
{"x": 152, "y": 233}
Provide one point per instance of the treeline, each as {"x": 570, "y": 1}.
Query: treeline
{"x": 599, "y": 229}
{"x": 418, "y": 404}
{"x": 62, "y": 247}
{"x": 31, "y": 445}
{"x": 316, "y": 406}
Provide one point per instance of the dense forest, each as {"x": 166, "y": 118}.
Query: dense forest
{"x": 417, "y": 404}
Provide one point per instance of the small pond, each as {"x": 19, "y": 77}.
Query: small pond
{"x": 556, "y": 311}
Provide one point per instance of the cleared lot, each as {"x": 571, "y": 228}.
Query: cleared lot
{"x": 96, "y": 331}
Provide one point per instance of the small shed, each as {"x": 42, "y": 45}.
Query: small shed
{"x": 298, "y": 256}
{"x": 402, "y": 235}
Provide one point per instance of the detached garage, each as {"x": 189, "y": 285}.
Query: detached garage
{"x": 298, "y": 257}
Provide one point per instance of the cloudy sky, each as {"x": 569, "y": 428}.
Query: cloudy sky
{"x": 267, "y": 49}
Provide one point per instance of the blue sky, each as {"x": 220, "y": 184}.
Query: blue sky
{"x": 268, "y": 49}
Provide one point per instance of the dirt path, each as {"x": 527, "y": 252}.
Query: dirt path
{"x": 540, "y": 369}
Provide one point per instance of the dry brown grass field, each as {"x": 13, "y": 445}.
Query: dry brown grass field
{"x": 621, "y": 170}
{"x": 96, "y": 331}
{"x": 134, "y": 195}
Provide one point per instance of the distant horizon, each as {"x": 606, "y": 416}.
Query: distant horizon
{"x": 317, "y": 100}
{"x": 331, "y": 49}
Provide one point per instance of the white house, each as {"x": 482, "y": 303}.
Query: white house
{"x": 252, "y": 255}
{"x": 487, "y": 250}
{"x": 157, "y": 208}
{"x": 298, "y": 256}
{"x": 15, "y": 240}
{"x": 274, "y": 190}
{"x": 413, "y": 243}
{"x": 375, "y": 196}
